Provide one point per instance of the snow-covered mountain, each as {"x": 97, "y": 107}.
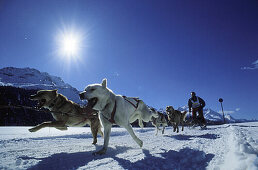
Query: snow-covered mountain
{"x": 212, "y": 115}
{"x": 209, "y": 114}
{"x": 29, "y": 78}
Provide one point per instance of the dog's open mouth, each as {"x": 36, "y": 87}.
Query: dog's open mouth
{"x": 92, "y": 102}
{"x": 41, "y": 103}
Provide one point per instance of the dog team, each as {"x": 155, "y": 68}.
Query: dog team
{"x": 106, "y": 108}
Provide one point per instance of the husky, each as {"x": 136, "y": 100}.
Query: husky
{"x": 176, "y": 117}
{"x": 66, "y": 113}
{"x": 115, "y": 109}
{"x": 160, "y": 120}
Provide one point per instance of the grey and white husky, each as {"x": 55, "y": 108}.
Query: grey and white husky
{"x": 160, "y": 120}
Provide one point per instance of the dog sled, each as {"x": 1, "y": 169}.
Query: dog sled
{"x": 191, "y": 124}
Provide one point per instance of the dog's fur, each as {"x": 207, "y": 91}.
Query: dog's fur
{"x": 104, "y": 100}
{"x": 160, "y": 120}
{"x": 66, "y": 113}
{"x": 176, "y": 117}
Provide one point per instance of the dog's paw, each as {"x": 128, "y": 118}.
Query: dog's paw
{"x": 94, "y": 142}
{"x": 32, "y": 129}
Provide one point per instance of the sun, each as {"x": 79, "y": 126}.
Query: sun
{"x": 69, "y": 44}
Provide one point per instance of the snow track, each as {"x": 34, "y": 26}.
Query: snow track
{"x": 242, "y": 149}
{"x": 230, "y": 146}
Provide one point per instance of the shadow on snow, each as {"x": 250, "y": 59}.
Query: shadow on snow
{"x": 191, "y": 137}
{"x": 77, "y": 136}
{"x": 183, "y": 159}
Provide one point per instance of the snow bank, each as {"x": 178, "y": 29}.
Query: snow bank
{"x": 243, "y": 150}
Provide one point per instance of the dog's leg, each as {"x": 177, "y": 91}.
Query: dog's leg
{"x": 94, "y": 133}
{"x": 95, "y": 129}
{"x": 131, "y": 132}
{"x": 48, "y": 124}
{"x": 107, "y": 129}
{"x": 163, "y": 128}
{"x": 140, "y": 123}
{"x": 182, "y": 123}
{"x": 157, "y": 129}
{"x": 100, "y": 132}
{"x": 177, "y": 127}
{"x": 99, "y": 128}
{"x": 174, "y": 126}
{"x": 157, "y": 126}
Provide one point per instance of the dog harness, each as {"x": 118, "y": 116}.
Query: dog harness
{"x": 112, "y": 120}
{"x": 136, "y": 99}
{"x": 196, "y": 103}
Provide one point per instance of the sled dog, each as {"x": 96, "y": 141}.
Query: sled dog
{"x": 176, "y": 117}
{"x": 115, "y": 109}
{"x": 66, "y": 113}
{"x": 160, "y": 120}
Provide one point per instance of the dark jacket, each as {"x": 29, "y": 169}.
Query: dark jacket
{"x": 202, "y": 102}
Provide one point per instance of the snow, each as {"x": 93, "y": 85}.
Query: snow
{"x": 220, "y": 147}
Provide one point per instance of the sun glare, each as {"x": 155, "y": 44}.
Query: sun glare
{"x": 69, "y": 44}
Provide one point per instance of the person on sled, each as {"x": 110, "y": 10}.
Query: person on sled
{"x": 196, "y": 104}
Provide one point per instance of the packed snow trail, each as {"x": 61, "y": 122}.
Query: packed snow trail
{"x": 229, "y": 146}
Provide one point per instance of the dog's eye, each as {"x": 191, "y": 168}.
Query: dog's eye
{"x": 92, "y": 90}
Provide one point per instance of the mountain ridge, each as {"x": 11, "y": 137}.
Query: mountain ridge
{"x": 30, "y": 78}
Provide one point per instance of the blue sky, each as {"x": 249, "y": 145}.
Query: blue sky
{"x": 159, "y": 51}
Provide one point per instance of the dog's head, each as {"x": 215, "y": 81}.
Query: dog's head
{"x": 44, "y": 97}
{"x": 170, "y": 110}
{"x": 97, "y": 95}
{"x": 154, "y": 113}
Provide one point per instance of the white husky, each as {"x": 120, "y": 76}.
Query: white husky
{"x": 116, "y": 109}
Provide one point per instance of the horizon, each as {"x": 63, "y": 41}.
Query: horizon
{"x": 184, "y": 107}
{"x": 158, "y": 51}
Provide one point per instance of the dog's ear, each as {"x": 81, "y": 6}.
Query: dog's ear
{"x": 104, "y": 83}
{"x": 55, "y": 91}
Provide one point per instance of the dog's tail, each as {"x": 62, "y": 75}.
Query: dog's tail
{"x": 184, "y": 115}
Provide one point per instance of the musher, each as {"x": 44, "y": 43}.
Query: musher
{"x": 196, "y": 104}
